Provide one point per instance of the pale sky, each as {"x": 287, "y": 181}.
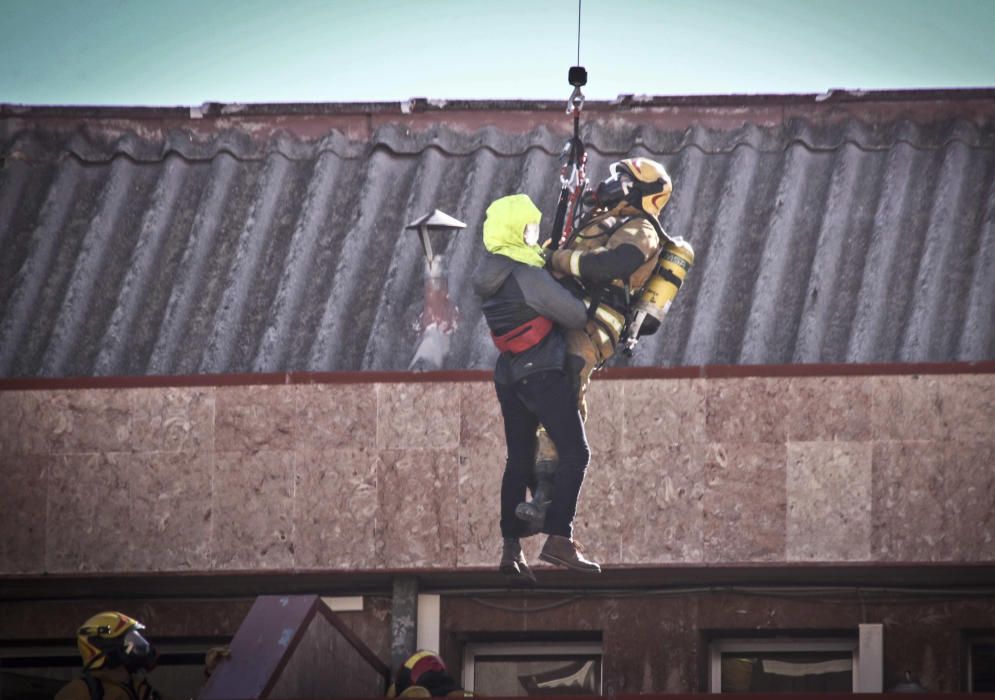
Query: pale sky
{"x": 185, "y": 52}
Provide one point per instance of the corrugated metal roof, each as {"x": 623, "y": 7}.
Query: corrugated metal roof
{"x": 231, "y": 238}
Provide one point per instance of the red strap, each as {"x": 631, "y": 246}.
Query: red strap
{"x": 524, "y": 336}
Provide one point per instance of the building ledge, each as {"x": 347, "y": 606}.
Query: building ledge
{"x": 912, "y": 579}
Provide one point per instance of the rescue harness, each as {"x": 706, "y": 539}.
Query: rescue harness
{"x": 521, "y": 338}
{"x": 573, "y": 173}
{"x": 617, "y": 316}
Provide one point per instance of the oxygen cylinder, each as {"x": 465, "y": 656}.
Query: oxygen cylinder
{"x": 675, "y": 260}
{"x": 658, "y": 293}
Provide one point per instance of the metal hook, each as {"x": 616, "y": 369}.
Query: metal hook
{"x": 576, "y": 101}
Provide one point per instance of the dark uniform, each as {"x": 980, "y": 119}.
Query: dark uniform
{"x": 117, "y": 684}
{"x": 612, "y": 257}
{"x": 531, "y": 384}
{"x": 524, "y": 308}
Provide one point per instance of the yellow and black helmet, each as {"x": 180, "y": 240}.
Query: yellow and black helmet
{"x": 640, "y": 182}
{"x": 110, "y": 639}
{"x": 423, "y": 675}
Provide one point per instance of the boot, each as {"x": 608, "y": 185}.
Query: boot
{"x": 534, "y": 512}
{"x": 513, "y": 563}
{"x": 565, "y": 552}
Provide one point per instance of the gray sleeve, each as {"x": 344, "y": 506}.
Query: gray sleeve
{"x": 550, "y": 298}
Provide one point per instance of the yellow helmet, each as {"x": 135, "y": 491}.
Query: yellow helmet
{"x": 641, "y": 182}
{"x": 113, "y": 639}
{"x": 424, "y": 674}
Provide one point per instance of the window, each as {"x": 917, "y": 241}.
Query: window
{"x": 38, "y": 672}
{"x": 533, "y": 668}
{"x": 783, "y": 665}
{"x": 981, "y": 666}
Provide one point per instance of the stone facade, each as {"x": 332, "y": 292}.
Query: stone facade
{"x": 390, "y": 475}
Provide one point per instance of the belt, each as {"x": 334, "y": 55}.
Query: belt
{"x": 523, "y": 337}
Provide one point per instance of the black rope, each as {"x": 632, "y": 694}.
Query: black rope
{"x": 578, "y": 30}
{"x": 572, "y": 173}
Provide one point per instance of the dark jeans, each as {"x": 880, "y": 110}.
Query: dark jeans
{"x": 546, "y": 398}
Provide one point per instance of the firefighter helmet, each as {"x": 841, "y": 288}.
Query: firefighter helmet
{"x": 424, "y": 674}
{"x": 111, "y": 639}
{"x": 641, "y": 182}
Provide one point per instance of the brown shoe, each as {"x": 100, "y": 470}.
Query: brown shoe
{"x": 565, "y": 552}
{"x": 513, "y": 563}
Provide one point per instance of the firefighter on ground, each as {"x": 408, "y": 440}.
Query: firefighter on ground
{"x": 628, "y": 270}
{"x": 526, "y": 311}
{"x": 115, "y": 659}
{"x": 424, "y": 675}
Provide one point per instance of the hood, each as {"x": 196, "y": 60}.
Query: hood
{"x": 504, "y": 225}
{"x": 490, "y": 274}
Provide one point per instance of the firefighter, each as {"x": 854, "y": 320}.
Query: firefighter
{"x": 115, "y": 657}
{"x": 424, "y": 675}
{"x": 525, "y": 309}
{"x": 620, "y": 249}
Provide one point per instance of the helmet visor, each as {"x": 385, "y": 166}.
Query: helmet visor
{"x": 615, "y": 188}
{"x": 135, "y": 644}
{"x": 138, "y": 652}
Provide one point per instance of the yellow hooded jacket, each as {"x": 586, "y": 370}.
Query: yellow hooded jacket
{"x": 505, "y": 224}
{"x": 515, "y": 290}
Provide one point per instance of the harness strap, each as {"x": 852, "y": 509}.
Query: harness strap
{"x": 523, "y": 337}
{"x": 94, "y": 686}
{"x": 608, "y": 320}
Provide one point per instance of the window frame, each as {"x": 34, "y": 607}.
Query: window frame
{"x": 722, "y": 645}
{"x": 531, "y": 648}
{"x": 986, "y": 639}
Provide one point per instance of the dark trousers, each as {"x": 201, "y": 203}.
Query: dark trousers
{"x": 546, "y": 398}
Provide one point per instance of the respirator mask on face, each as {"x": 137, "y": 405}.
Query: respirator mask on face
{"x": 614, "y": 189}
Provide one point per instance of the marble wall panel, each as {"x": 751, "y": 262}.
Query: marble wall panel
{"x": 297, "y": 476}
{"x": 255, "y": 418}
{"x": 745, "y": 502}
{"x": 418, "y": 416}
{"x": 968, "y": 402}
{"x": 828, "y": 408}
{"x": 336, "y": 417}
{"x": 171, "y": 502}
{"x": 660, "y": 500}
{"x": 934, "y": 501}
{"x": 174, "y": 419}
{"x": 23, "y": 495}
{"x": 605, "y": 416}
{"x": 335, "y": 509}
{"x": 481, "y": 459}
{"x": 663, "y": 413}
{"x": 829, "y": 501}
{"x": 252, "y": 510}
{"x": 479, "y": 506}
{"x": 911, "y": 512}
{"x": 600, "y": 514}
{"x": 418, "y": 507}
{"x": 98, "y": 420}
{"x": 749, "y": 410}
{"x": 969, "y": 486}
{"x": 90, "y": 514}
{"x": 481, "y": 426}
{"x": 907, "y": 407}
{"x": 31, "y": 421}
{"x": 10, "y": 407}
